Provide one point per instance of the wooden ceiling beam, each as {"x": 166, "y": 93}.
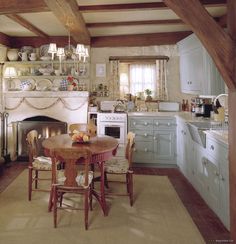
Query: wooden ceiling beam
{"x": 217, "y": 42}
{"x": 231, "y": 24}
{"x": 141, "y": 22}
{"x": 22, "y": 6}
{"x": 141, "y": 6}
{"x": 26, "y": 6}
{"x": 139, "y": 39}
{"x": 18, "y": 42}
{"x": 222, "y": 21}
{"x": 68, "y": 14}
{"x": 5, "y": 40}
{"x": 18, "y": 19}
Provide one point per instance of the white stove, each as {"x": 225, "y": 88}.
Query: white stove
{"x": 113, "y": 124}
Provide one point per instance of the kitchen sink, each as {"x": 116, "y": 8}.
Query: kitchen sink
{"x": 197, "y": 128}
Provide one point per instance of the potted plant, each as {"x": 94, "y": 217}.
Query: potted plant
{"x": 148, "y": 92}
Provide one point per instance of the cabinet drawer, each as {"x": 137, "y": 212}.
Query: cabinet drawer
{"x": 143, "y": 152}
{"x": 141, "y": 135}
{"x": 216, "y": 150}
{"x": 164, "y": 124}
{"x": 143, "y": 146}
{"x": 141, "y": 123}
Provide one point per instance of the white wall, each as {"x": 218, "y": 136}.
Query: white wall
{"x": 101, "y": 55}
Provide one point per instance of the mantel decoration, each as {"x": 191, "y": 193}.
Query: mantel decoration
{"x": 54, "y": 102}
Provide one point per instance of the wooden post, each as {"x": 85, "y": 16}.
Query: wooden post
{"x": 222, "y": 48}
{"x": 231, "y": 23}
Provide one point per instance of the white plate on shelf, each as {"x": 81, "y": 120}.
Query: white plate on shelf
{"x": 15, "y": 85}
{"x": 43, "y": 85}
{"x": 57, "y": 82}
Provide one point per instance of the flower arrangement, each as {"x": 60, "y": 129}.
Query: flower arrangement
{"x": 72, "y": 83}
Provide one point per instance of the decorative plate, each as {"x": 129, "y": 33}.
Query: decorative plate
{"x": 15, "y": 85}
{"x": 43, "y": 85}
{"x": 57, "y": 82}
{"x": 43, "y": 50}
{"x": 27, "y": 85}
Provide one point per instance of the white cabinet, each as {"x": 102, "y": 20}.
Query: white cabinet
{"x": 217, "y": 154}
{"x": 184, "y": 149}
{"x": 198, "y": 73}
{"x": 155, "y": 139}
{"x": 206, "y": 169}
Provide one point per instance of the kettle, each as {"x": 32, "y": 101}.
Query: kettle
{"x": 120, "y": 107}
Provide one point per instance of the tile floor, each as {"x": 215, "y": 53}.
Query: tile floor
{"x": 208, "y": 223}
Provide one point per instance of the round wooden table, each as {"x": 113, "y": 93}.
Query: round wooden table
{"x": 102, "y": 149}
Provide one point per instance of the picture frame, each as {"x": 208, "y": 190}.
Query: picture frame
{"x": 100, "y": 70}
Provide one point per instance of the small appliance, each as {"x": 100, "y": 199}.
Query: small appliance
{"x": 202, "y": 106}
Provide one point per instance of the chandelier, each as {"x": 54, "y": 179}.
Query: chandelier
{"x": 80, "y": 53}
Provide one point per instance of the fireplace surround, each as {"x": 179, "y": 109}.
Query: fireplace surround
{"x": 62, "y": 106}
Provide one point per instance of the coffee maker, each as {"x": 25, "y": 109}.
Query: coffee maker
{"x": 202, "y": 106}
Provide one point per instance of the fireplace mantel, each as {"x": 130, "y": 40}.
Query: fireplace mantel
{"x": 44, "y": 94}
{"x": 66, "y": 106}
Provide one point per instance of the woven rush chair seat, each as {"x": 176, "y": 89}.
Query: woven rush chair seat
{"x": 42, "y": 163}
{"x": 80, "y": 178}
{"x": 117, "y": 165}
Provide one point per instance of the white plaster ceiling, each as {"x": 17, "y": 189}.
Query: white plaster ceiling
{"x": 50, "y": 25}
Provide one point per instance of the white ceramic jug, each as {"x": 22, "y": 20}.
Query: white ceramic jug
{"x": 23, "y": 56}
{"x": 12, "y": 54}
{"x": 32, "y": 56}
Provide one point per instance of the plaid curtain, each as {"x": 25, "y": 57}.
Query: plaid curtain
{"x": 115, "y": 79}
{"x": 162, "y": 79}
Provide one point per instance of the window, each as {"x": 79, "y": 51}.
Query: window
{"x": 135, "y": 78}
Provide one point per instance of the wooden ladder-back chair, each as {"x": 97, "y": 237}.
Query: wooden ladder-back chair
{"x": 74, "y": 178}
{"x": 123, "y": 166}
{"x": 90, "y": 128}
{"x": 37, "y": 163}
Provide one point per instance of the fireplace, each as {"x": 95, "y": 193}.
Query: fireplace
{"x": 45, "y": 126}
{"x": 63, "y": 106}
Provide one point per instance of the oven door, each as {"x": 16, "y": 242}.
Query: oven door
{"x": 116, "y": 130}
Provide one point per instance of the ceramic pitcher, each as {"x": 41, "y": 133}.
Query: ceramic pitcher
{"x": 12, "y": 54}
{"x": 23, "y": 56}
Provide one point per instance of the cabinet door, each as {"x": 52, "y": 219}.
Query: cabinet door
{"x": 181, "y": 160}
{"x": 164, "y": 145}
{"x": 143, "y": 152}
{"x": 213, "y": 83}
{"x": 212, "y": 183}
{"x": 224, "y": 194}
{"x": 199, "y": 179}
{"x": 184, "y": 72}
{"x": 191, "y": 71}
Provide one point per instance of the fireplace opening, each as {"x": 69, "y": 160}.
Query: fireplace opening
{"x": 46, "y": 127}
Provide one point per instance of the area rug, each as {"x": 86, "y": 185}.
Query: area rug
{"x": 158, "y": 216}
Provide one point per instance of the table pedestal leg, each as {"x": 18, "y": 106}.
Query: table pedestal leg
{"x": 101, "y": 198}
